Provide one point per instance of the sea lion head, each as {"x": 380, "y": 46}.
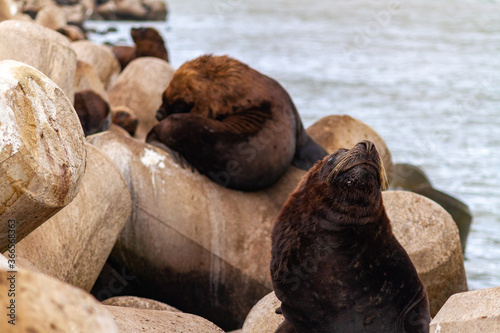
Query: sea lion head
{"x": 209, "y": 86}
{"x": 350, "y": 180}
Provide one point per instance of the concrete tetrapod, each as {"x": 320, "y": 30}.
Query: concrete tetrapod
{"x": 475, "y": 311}
{"x": 45, "y": 304}
{"x": 193, "y": 244}
{"x": 130, "y": 320}
{"x": 74, "y": 244}
{"x": 42, "y": 149}
{"x": 140, "y": 87}
{"x": 42, "y": 48}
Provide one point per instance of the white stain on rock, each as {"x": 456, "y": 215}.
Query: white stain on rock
{"x": 151, "y": 158}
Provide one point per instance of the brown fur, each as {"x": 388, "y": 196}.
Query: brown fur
{"x": 93, "y": 112}
{"x": 149, "y": 43}
{"x": 126, "y": 119}
{"x": 218, "y": 112}
{"x": 336, "y": 265}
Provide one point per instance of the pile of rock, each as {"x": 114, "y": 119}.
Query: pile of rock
{"x": 170, "y": 233}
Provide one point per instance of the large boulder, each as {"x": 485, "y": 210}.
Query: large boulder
{"x": 430, "y": 236}
{"x": 334, "y": 132}
{"x": 140, "y": 87}
{"x": 475, "y": 311}
{"x": 74, "y": 244}
{"x": 45, "y": 304}
{"x": 100, "y": 57}
{"x": 189, "y": 240}
{"x": 42, "y": 48}
{"x": 52, "y": 17}
{"x": 131, "y": 320}
{"x": 42, "y": 149}
{"x": 137, "y": 303}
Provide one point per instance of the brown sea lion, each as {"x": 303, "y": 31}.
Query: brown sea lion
{"x": 336, "y": 265}
{"x": 93, "y": 111}
{"x": 232, "y": 123}
{"x": 148, "y": 43}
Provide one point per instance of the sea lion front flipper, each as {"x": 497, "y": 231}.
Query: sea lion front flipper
{"x": 307, "y": 153}
{"x": 417, "y": 319}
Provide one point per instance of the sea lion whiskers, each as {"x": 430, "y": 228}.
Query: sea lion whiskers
{"x": 345, "y": 160}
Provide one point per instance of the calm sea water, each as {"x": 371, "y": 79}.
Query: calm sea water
{"x": 423, "y": 74}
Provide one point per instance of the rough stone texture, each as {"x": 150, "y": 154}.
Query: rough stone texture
{"x": 475, "y": 311}
{"x": 429, "y": 235}
{"x": 87, "y": 79}
{"x": 52, "y": 17}
{"x": 137, "y": 303}
{"x": 139, "y": 87}
{"x": 42, "y": 48}
{"x": 263, "y": 318}
{"x": 74, "y": 244}
{"x": 100, "y": 57}
{"x": 334, "y": 132}
{"x": 45, "y": 304}
{"x": 189, "y": 240}
{"x": 131, "y": 320}
{"x": 42, "y": 149}
{"x": 458, "y": 210}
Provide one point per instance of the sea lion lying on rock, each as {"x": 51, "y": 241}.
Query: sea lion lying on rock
{"x": 148, "y": 43}
{"x": 233, "y": 124}
{"x": 336, "y": 265}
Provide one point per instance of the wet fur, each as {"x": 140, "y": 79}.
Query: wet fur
{"x": 229, "y": 105}
{"x": 336, "y": 265}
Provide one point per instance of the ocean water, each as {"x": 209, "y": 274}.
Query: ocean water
{"x": 424, "y": 74}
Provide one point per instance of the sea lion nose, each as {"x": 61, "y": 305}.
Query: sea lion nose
{"x": 369, "y": 146}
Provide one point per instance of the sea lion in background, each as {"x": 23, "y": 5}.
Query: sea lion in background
{"x": 148, "y": 43}
{"x": 232, "y": 123}
{"x": 93, "y": 111}
{"x": 336, "y": 265}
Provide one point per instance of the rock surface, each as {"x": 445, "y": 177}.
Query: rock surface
{"x": 44, "y": 304}
{"x": 52, "y": 17}
{"x": 138, "y": 303}
{"x": 263, "y": 317}
{"x": 87, "y": 79}
{"x": 100, "y": 57}
{"x": 140, "y": 87}
{"x": 188, "y": 239}
{"x": 42, "y": 149}
{"x": 131, "y": 320}
{"x": 334, "y": 132}
{"x": 475, "y": 311}
{"x": 430, "y": 236}
{"x": 74, "y": 244}
{"x": 42, "y": 48}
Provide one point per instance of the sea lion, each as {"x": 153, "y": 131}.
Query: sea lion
{"x": 232, "y": 123}
{"x": 148, "y": 43}
{"x": 336, "y": 265}
{"x": 93, "y": 111}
